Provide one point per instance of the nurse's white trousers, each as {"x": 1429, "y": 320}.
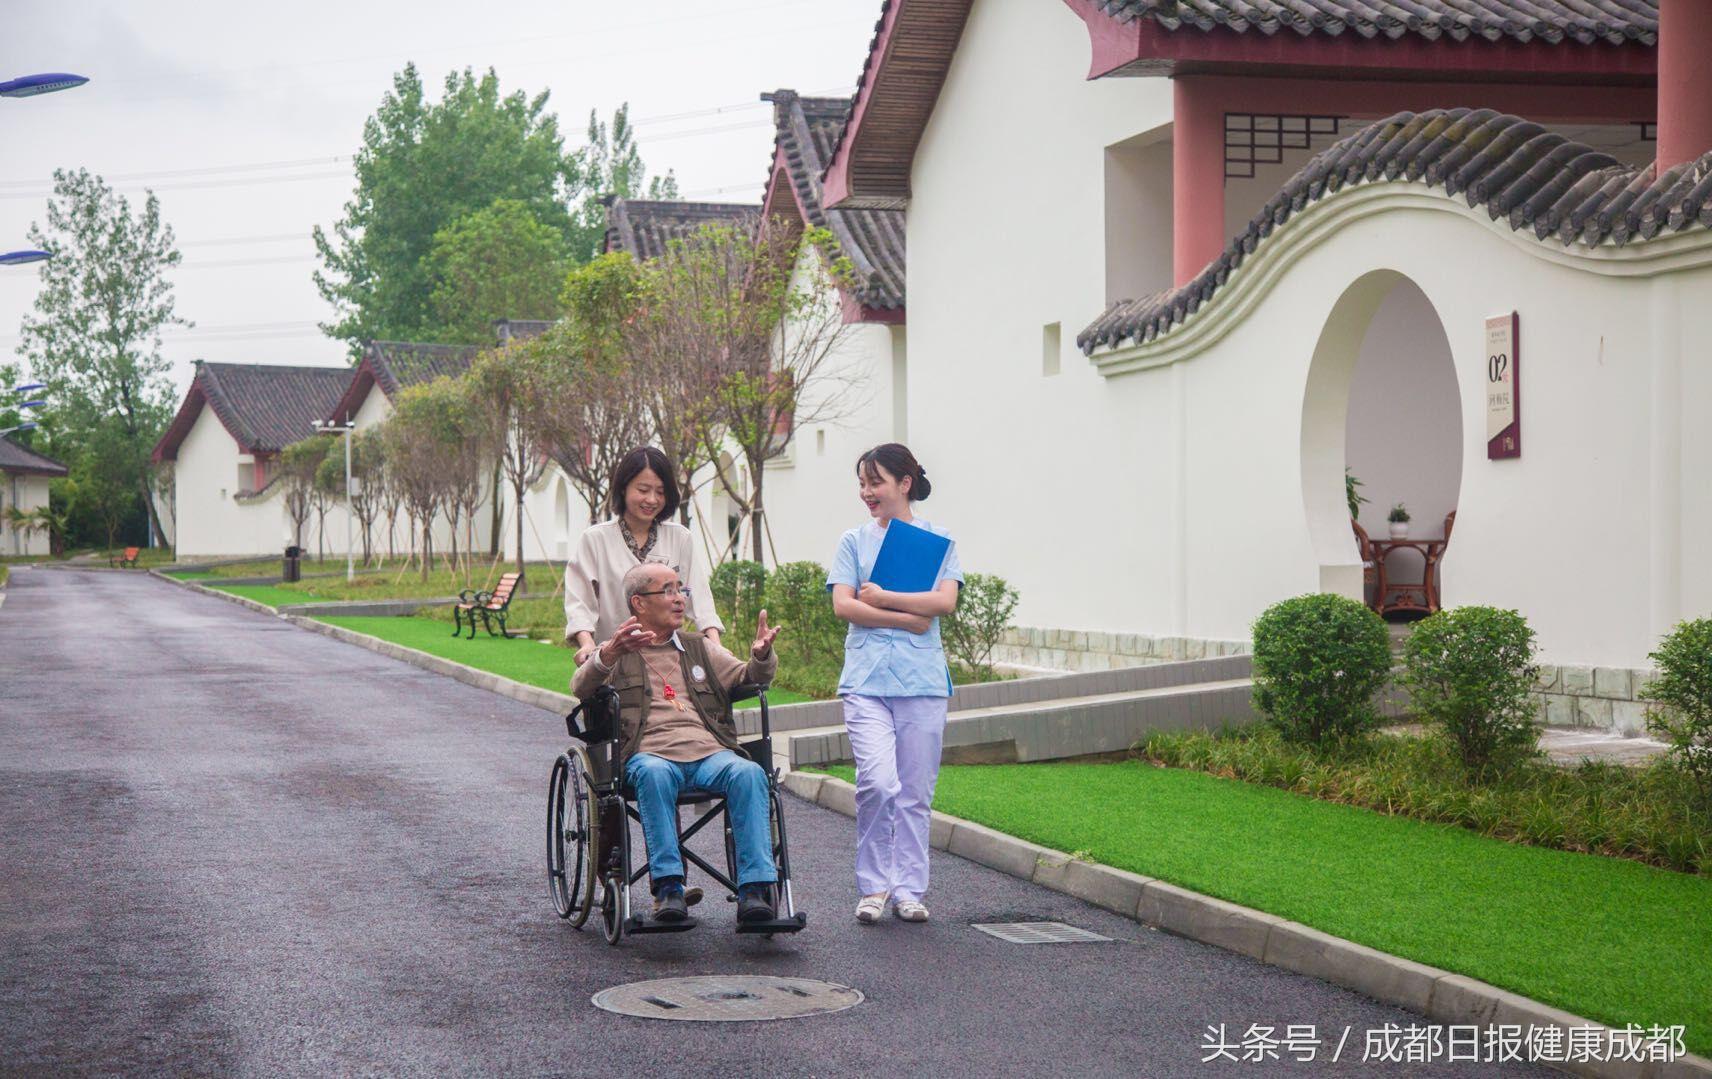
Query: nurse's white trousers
{"x": 896, "y": 742}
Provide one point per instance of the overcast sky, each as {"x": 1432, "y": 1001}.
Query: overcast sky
{"x": 243, "y": 119}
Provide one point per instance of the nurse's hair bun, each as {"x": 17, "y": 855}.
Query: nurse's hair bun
{"x": 896, "y": 461}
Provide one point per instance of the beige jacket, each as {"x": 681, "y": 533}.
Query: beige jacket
{"x": 594, "y": 579}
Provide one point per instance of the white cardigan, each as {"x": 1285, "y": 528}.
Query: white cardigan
{"x": 594, "y": 592}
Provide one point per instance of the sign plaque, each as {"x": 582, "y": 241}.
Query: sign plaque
{"x": 1503, "y": 388}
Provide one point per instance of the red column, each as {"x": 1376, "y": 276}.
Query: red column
{"x": 1684, "y": 81}
{"x": 1197, "y": 177}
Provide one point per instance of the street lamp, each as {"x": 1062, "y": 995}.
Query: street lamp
{"x": 32, "y": 85}
{"x": 344, "y": 429}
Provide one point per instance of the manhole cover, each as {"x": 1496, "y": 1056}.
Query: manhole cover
{"x": 1038, "y": 933}
{"x": 727, "y": 998}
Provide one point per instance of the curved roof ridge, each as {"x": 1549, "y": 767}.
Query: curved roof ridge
{"x": 1533, "y": 178}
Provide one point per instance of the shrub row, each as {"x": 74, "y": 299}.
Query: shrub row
{"x": 1319, "y": 661}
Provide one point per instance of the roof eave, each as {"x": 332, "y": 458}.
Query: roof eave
{"x": 1143, "y": 47}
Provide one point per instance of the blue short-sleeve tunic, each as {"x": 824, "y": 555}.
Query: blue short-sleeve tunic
{"x": 890, "y": 662}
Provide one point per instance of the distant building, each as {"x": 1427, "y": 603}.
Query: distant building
{"x": 24, "y": 476}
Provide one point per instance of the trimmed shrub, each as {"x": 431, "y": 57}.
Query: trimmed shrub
{"x": 1683, "y": 693}
{"x": 1470, "y": 673}
{"x": 1318, "y": 661}
{"x": 797, "y": 598}
{"x": 973, "y": 628}
{"x": 738, "y": 595}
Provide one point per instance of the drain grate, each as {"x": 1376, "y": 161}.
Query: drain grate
{"x": 1038, "y": 933}
{"x": 733, "y": 998}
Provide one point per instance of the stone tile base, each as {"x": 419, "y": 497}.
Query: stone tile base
{"x": 1098, "y": 650}
{"x": 1606, "y": 698}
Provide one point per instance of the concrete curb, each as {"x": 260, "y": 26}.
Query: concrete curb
{"x": 1438, "y": 994}
{"x": 561, "y": 703}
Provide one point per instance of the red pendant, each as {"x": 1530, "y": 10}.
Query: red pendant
{"x": 670, "y": 696}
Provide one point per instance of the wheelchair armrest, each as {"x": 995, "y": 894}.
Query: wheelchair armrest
{"x": 595, "y": 719}
{"x": 745, "y": 690}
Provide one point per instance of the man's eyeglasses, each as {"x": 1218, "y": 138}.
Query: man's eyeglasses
{"x": 669, "y": 590}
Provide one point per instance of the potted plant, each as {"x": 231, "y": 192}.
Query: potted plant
{"x": 1350, "y": 494}
{"x": 1399, "y": 518}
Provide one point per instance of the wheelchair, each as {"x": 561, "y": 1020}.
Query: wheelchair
{"x": 589, "y": 810}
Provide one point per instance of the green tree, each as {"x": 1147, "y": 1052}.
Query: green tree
{"x": 612, "y": 167}
{"x": 298, "y": 463}
{"x": 426, "y": 453}
{"x": 501, "y": 382}
{"x": 94, "y": 336}
{"x": 422, "y": 167}
{"x": 586, "y": 409}
{"x": 498, "y": 262}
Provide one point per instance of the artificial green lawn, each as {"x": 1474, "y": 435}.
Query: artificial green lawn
{"x": 1607, "y": 938}
{"x": 520, "y": 659}
{"x": 264, "y": 593}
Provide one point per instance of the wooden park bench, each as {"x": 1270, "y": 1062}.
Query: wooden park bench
{"x": 491, "y": 606}
{"x": 126, "y": 561}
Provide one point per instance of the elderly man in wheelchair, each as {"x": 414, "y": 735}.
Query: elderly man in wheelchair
{"x": 675, "y": 733}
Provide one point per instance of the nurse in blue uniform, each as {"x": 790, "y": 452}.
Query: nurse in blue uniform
{"x": 895, "y": 687}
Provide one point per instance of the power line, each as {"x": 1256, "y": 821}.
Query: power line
{"x": 461, "y": 48}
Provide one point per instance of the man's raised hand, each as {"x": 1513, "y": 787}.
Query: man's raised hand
{"x": 629, "y": 637}
{"x": 763, "y": 637}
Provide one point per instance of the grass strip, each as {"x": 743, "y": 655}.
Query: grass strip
{"x": 271, "y": 595}
{"x": 1607, "y": 938}
{"x": 519, "y": 659}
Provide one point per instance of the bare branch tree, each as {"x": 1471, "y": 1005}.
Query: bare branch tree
{"x": 756, "y": 312}
{"x": 502, "y": 380}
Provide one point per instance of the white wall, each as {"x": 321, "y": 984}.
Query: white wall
{"x": 211, "y": 521}
{"x": 1182, "y": 500}
{"x": 26, "y": 492}
{"x": 1062, "y": 483}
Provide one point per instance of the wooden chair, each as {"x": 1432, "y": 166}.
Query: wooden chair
{"x": 491, "y": 606}
{"x": 1435, "y": 556}
{"x": 126, "y": 561}
{"x": 1372, "y": 567}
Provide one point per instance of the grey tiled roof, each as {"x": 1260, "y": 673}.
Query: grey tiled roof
{"x": 1584, "y": 21}
{"x": 398, "y": 364}
{"x": 1517, "y": 170}
{"x": 267, "y": 407}
{"x": 17, "y": 458}
{"x": 644, "y": 227}
{"x": 808, "y": 128}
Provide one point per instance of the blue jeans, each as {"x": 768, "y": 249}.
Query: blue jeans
{"x": 657, "y": 782}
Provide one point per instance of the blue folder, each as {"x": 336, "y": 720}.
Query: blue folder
{"x": 909, "y": 558}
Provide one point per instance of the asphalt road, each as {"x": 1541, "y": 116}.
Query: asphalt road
{"x": 234, "y": 847}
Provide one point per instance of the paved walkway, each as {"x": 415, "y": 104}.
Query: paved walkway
{"x": 232, "y": 846}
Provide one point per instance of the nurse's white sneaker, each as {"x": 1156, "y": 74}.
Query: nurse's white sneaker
{"x": 870, "y": 907}
{"x": 910, "y": 910}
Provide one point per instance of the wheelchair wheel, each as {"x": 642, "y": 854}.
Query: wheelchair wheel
{"x": 611, "y": 916}
{"x": 570, "y": 823}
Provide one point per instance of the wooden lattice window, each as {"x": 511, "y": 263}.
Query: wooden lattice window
{"x": 1260, "y": 139}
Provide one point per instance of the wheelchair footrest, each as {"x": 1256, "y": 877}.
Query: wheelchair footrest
{"x": 635, "y": 924}
{"x": 794, "y": 924}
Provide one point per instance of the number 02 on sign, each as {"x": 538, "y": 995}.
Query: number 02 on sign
{"x": 1503, "y": 388}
